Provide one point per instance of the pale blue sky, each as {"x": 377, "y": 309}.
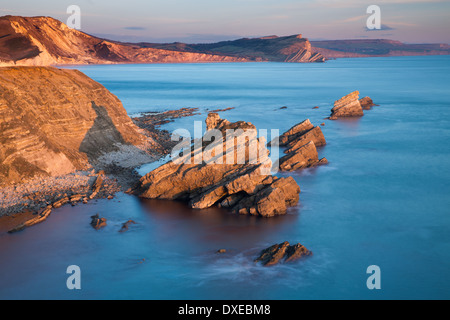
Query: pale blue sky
{"x": 413, "y": 21}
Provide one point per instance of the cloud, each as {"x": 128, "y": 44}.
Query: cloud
{"x": 383, "y": 28}
{"x": 134, "y": 28}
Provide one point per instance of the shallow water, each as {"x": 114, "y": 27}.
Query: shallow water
{"x": 382, "y": 200}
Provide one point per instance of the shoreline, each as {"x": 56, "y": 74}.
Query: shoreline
{"x": 23, "y": 202}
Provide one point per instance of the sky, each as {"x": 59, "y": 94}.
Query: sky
{"x": 199, "y": 21}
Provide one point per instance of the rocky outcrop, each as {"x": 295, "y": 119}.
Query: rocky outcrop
{"x": 235, "y": 176}
{"x": 367, "y": 103}
{"x": 301, "y": 134}
{"x": 97, "y": 222}
{"x": 283, "y": 252}
{"x": 53, "y": 122}
{"x": 347, "y": 106}
{"x": 125, "y": 225}
{"x": 301, "y": 141}
{"x": 305, "y": 156}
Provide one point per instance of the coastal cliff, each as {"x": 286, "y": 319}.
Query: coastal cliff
{"x": 293, "y": 48}
{"x": 42, "y": 41}
{"x": 53, "y": 122}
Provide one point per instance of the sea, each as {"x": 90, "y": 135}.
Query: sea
{"x": 383, "y": 200}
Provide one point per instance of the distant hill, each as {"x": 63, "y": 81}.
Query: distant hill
{"x": 375, "y": 48}
{"x": 37, "y": 41}
{"x": 293, "y": 48}
{"x": 41, "y": 41}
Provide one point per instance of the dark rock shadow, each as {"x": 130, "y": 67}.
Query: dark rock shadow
{"x": 102, "y": 137}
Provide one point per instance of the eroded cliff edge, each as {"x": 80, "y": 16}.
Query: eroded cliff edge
{"x": 54, "y": 122}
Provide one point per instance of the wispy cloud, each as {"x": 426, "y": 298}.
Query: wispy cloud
{"x": 135, "y": 28}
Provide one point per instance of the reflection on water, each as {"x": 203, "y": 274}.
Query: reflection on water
{"x": 213, "y": 225}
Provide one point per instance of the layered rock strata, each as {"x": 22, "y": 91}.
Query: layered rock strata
{"x": 283, "y": 252}
{"x": 232, "y": 175}
{"x": 301, "y": 142}
{"x": 347, "y": 106}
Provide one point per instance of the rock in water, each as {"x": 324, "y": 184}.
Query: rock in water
{"x": 98, "y": 222}
{"x": 367, "y": 103}
{"x": 301, "y": 141}
{"x": 125, "y": 225}
{"x": 283, "y": 252}
{"x": 347, "y": 106}
{"x": 244, "y": 185}
{"x": 53, "y": 122}
{"x": 301, "y": 134}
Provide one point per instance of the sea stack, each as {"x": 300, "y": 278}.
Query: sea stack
{"x": 347, "y": 106}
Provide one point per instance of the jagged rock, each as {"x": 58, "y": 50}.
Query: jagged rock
{"x": 283, "y": 252}
{"x": 315, "y": 135}
{"x": 367, "y": 103}
{"x": 347, "y": 106}
{"x": 244, "y": 186}
{"x": 221, "y": 251}
{"x": 98, "y": 222}
{"x": 303, "y": 157}
{"x": 300, "y": 134}
{"x": 125, "y": 225}
{"x": 301, "y": 141}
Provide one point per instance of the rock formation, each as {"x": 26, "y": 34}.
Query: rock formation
{"x": 125, "y": 225}
{"x": 347, "y": 106}
{"x": 244, "y": 185}
{"x": 366, "y": 103}
{"x": 53, "y": 122}
{"x": 301, "y": 141}
{"x": 283, "y": 252}
{"x": 97, "y": 222}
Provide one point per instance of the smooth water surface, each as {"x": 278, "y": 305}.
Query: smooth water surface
{"x": 383, "y": 199}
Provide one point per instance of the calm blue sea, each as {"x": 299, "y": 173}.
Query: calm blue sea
{"x": 383, "y": 199}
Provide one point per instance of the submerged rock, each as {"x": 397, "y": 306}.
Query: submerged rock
{"x": 98, "y": 222}
{"x": 243, "y": 185}
{"x": 283, "y": 252}
{"x": 347, "y": 106}
{"x": 125, "y": 225}
{"x": 367, "y": 103}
